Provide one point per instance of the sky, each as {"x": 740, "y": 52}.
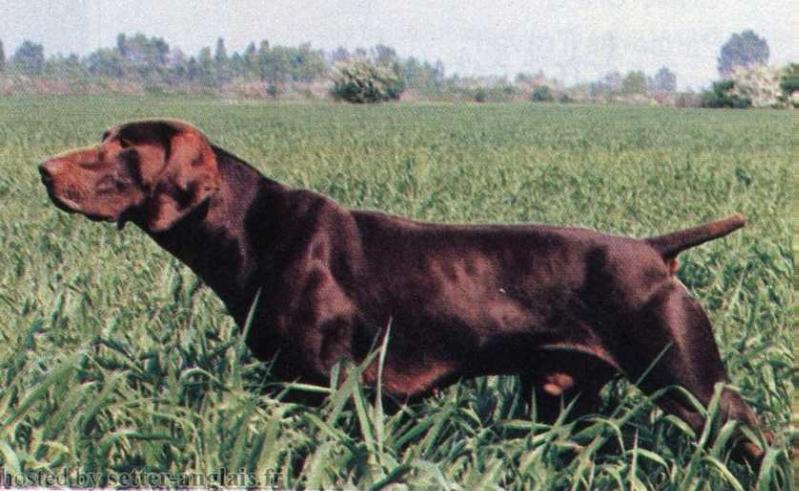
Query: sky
{"x": 572, "y": 40}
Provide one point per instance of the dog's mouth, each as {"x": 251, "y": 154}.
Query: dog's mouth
{"x": 66, "y": 204}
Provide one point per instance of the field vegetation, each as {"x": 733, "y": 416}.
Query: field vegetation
{"x": 118, "y": 367}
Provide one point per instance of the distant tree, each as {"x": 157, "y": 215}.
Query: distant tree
{"x": 145, "y": 57}
{"x": 2, "y": 57}
{"x": 612, "y": 81}
{"x": 384, "y": 55}
{"x": 178, "y": 65}
{"x": 413, "y": 73}
{"x": 221, "y": 62}
{"x": 61, "y": 66}
{"x": 106, "y": 62}
{"x": 523, "y": 78}
{"x": 530, "y": 79}
{"x": 608, "y": 85}
{"x": 193, "y": 69}
{"x": 542, "y": 93}
{"x": 664, "y": 81}
{"x": 205, "y": 67}
{"x": 274, "y": 64}
{"x": 237, "y": 65}
{"x": 743, "y": 49}
{"x": 419, "y": 74}
{"x": 338, "y": 55}
{"x": 265, "y": 62}
{"x": 220, "y": 54}
{"x": 634, "y": 83}
{"x": 282, "y": 64}
{"x": 438, "y": 74}
{"x": 307, "y": 64}
{"x": 250, "y": 59}
{"x": 29, "y": 57}
{"x": 122, "y": 44}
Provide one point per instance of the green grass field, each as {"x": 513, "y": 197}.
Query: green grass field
{"x": 116, "y": 364}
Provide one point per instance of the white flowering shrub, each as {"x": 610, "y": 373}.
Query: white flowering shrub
{"x": 362, "y": 81}
{"x": 760, "y": 84}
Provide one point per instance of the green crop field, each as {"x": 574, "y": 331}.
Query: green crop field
{"x": 117, "y": 366}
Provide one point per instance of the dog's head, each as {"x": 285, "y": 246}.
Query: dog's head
{"x": 152, "y": 172}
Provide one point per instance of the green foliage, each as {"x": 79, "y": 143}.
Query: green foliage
{"x": 664, "y": 81}
{"x": 116, "y": 362}
{"x": 501, "y": 92}
{"x": 281, "y": 64}
{"x": 789, "y": 83}
{"x": 542, "y": 93}
{"x": 272, "y": 90}
{"x": 565, "y": 98}
{"x": 106, "y": 62}
{"x": 143, "y": 57}
{"x": 421, "y": 74}
{"x": 2, "y": 57}
{"x": 222, "y": 69}
{"x": 722, "y": 95}
{"x": 362, "y": 81}
{"x": 634, "y": 83}
{"x": 742, "y": 50}
{"x": 205, "y": 67}
{"x": 29, "y": 57}
{"x": 608, "y": 85}
{"x": 149, "y": 61}
{"x": 384, "y": 55}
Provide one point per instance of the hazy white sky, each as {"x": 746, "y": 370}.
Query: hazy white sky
{"x": 573, "y": 40}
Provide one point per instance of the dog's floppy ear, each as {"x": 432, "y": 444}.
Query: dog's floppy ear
{"x": 189, "y": 177}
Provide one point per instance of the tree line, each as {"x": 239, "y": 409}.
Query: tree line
{"x": 379, "y": 73}
{"x": 141, "y": 58}
{"x": 151, "y": 59}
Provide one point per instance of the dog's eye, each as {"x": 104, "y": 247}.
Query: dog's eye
{"x": 125, "y": 143}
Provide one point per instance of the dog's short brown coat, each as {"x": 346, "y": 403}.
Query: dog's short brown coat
{"x": 565, "y": 308}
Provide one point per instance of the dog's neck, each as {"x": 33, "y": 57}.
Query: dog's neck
{"x": 212, "y": 241}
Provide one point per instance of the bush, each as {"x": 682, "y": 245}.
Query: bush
{"x": 687, "y": 99}
{"x": 542, "y": 93}
{"x": 759, "y": 84}
{"x": 361, "y": 81}
{"x": 492, "y": 93}
{"x": 790, "y": 84}
{"x": 565, "y": 98}
{"x": 722, "y": 95}
{"x": 790, "y": 78}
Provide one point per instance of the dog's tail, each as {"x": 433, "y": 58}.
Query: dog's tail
{"x": 670, "y": 245}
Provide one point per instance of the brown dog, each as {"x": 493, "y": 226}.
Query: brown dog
{"x": 565, "y": 308}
